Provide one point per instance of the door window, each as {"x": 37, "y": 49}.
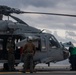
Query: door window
{"x": 43, "y": 44}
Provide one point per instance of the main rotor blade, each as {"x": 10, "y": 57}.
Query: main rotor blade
{"x": 50, "y": 14}
{"x": 5, "y": 10}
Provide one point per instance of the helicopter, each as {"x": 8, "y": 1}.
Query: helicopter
{"x": 48, "y": 48}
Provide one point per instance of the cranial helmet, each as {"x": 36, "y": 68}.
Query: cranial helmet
{"x": 30, "y": 38}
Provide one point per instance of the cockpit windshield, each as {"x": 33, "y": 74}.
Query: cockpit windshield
{"x": 53, "y": 42}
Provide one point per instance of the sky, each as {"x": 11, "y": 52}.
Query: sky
{"x": 62, "y": 27}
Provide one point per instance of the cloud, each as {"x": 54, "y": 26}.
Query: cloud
{"x": 35, "y": 3}
{"x": 71, "y": 33}
{"x": 47, "y": 21}
{"x": 58, "y": 37}
{"x": 52, "y": 4}
{"x": 71, "y": 27}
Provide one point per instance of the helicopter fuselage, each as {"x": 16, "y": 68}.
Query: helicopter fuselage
{"x": 48, "y": 49}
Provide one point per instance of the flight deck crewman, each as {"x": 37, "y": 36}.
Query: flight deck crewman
{"x": 28, "y": 51}
{"x": 11, "y": 56}
{"x": 72, "y": 58}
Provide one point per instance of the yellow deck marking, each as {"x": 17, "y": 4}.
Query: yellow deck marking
{"x": 52, "y": 72}
{"x": 9, "y": 72}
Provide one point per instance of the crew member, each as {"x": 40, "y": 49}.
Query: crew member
{"x": 11, "y": 56}
{"x": 72, "y": 58}
{"x": 28, "y": 52}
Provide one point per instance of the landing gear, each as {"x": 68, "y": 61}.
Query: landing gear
{"x": 48, "y": 64}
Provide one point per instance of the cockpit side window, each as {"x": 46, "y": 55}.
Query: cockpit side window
{"x": 53, "y": 42}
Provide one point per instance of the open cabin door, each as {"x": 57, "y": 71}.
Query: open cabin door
{"x": 41, "y": 51}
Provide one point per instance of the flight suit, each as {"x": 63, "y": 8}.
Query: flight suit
{"x": 11, "y": 56}
{"x": 72, "y": 58}
{"x": 28, "y": 51}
